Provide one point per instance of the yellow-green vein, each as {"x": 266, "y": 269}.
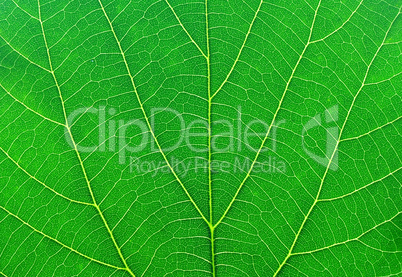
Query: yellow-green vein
{"x": 42, "y": 183}
{"x": 350, "y": 240}
{"x": 30, "y": 15}
{"x": 28, "y": 108}
{"x": 376, "y": 129}
{"x": 58, "y": 242}
{"x": 211, "y": 222}
{"x": 22, "y": 55}
{"x": 316, "y": 200}
{"x": 273, "y": 120}
{"x": 240, "y": 51}
{"x": 361, "y": 188}
{"x": 145, "y": 115}
{"x": 185, "y": 30}
{"x": 77, "y": 152}
{"x": 340, "y": 27}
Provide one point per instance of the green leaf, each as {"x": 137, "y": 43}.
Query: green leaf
{"x": 192, "y": 138}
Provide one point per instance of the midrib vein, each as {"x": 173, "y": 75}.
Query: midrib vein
{"x": 316, "y": 200}
{"x": 68, "y": 128}
{"x": 210, "y": 98}
{"x": 146, "y": 117}
{"x": 211, "y": 222}
{"x": 272, "y": 122}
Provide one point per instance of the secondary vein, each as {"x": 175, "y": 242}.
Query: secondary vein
{"x": 316, "y": 200}
{"x": 146, "y": 117}
{"x": 58, "y": 242}
{"x": 185, "y": 30}
{"x": 240, "y": 51}
{"x": 22, "y": 55}
{"x": 40, "y": 182}
{"x": 68, "y": 128}
{"x": 350, "y": 240}
{"x": 32, "y": 110}
{"x": 272, "y": 122}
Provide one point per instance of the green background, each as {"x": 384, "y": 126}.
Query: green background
{"x": 65, "y": 212}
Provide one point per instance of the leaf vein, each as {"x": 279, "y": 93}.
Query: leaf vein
{"x": 58, "y": 242}
{"x": 145, "y": 115}
{"x": 272, "y": 122}
{"x": 333, "y": 153}
{"x": 77, "y": 152}
{"x": 240, "y": 51}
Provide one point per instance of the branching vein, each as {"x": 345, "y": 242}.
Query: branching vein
{"x": 333, "y": 153}
{"x": 40, "y": 182}
{"x": 68, "y": 128}
{"x": 146, "y": 117}
{"x": 272, "y": 122}
{"x": 58, "y": 242}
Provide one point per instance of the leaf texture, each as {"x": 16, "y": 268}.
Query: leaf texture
{"x": 101, "y": 173}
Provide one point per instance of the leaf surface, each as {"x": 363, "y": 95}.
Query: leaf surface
{"x": 191, "y": 138}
